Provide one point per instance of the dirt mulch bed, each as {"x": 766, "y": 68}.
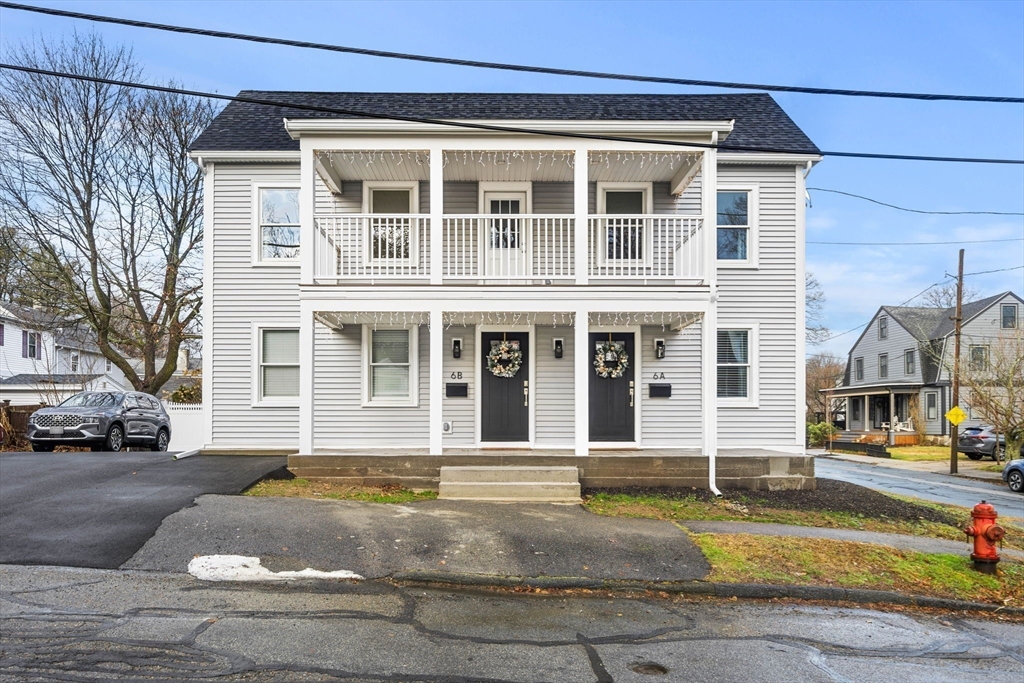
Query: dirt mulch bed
{"x": 831, "y": 495}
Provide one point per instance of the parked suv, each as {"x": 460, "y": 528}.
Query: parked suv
{"x": 976, "y": 442}
{"x": 1013, "y": 475}
{"x": 104, "y": 420}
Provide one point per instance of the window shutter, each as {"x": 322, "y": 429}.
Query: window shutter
{"x": 24, "y": 344}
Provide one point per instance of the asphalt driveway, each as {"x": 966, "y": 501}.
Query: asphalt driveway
{"x": 98, "y": 509}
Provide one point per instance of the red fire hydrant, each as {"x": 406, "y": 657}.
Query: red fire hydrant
{"x": 986, "y": 534}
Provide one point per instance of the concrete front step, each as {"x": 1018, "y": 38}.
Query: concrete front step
{"x": 523, "y": 484}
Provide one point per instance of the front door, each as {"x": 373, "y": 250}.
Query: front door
{"x": 505, "y": 238}
{"x": 504, "y": 400}
{"x": 612, "y": 399}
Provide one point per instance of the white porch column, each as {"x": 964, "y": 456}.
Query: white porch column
{"x": 436, "y": 219}
{"x": 436, "y": 384}
{"x": 581, "y": 194}
{"x": 307, "y": 366}
{"x": 709, "y": 325}
{"x": 307, "y": 227}
{"x": 581, "y": 379}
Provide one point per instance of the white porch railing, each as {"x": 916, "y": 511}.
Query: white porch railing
{"x": 378, "y": 246}
{"x": 646, "y": 247}
{"x": 508, "y": 247}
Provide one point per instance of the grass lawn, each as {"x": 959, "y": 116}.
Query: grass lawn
{"x": 303, "y": 488}
{"x": 919, "y": 453}
{"x": 743, "y": 558}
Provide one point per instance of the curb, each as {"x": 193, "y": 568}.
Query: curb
{"x": 708, "y": 588}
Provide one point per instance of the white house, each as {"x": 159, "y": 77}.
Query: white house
{"x": 45, "y": 360}
{"x": 605, "y": 283}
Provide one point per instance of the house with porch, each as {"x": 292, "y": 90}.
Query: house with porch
{"x": 897, "y": 383}
{"x": 396, "y": 282}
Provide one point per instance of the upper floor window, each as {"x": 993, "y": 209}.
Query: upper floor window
{"x": 31, "y": 345}
{"x": 883, "y": 365}
{"x": 909, "y": 366}
{"x": 627, "y": 235}
{"x": 1009, "y": 317}
{"x": 858, "y": 369}
{"x": 74, "y": 362}
{"x": 883, "y": 327}
{"x": 734, "y": 225}
{"x": 393, "y": 234}
{"x": 108, "y": 365}
{"x": 1, "y": 334}
{"x": 279, "y": 231}
{"x": 978, "y": 357}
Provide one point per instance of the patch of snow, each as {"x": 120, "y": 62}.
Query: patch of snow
{"x": 241, "y": 568}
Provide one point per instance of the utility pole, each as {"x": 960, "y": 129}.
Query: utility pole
{"x": 954, "y": 436}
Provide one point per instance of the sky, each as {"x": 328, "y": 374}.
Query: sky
{"x": 941, "y": 47}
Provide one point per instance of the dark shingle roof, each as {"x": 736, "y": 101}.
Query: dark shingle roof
{"x": 28, "y": 379}
{"x": 935, "y": 323}
{"x": 760, "y": 121}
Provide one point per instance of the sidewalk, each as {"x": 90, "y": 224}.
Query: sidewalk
{"x": 968, "y": 469}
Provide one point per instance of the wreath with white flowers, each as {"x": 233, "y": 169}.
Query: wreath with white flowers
{"x": 611, "y": 360}
{"x": 505, "y": 359}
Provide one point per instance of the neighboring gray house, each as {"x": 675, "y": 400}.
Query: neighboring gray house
{"x": 906, "y": 352}
{"x": 380, "y": 286}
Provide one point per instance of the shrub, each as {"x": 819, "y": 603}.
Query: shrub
{"x": 818, "y": 434}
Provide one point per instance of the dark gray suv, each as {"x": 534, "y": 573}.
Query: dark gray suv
{"x": 104, "y": 420}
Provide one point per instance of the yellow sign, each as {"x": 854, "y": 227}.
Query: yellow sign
{"x": 956, "y": 416}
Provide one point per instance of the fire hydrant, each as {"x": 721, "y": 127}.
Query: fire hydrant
{"x": 986, "y": 534}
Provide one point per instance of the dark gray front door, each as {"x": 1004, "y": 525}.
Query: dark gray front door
{"x": 612, "y": 400}
{"x": 505, "y": 401}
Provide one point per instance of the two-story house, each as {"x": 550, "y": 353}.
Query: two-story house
{"x": 905, "y": 355}
{"x": 488, "y": 276}
{"x": 44, "y": 359}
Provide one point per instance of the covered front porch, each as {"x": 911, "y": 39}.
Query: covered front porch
{"x": 882, "y": 414}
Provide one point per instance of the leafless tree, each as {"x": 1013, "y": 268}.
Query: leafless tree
{"x": 824, "y": 371}
{"x": 944, "y": 296}
{"x": 992, "y": 381}
{"x": 814, "y": 295}
{"x": 97, "y": 179}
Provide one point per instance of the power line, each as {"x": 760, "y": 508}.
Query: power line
{"x": 912, "y": 244}
{"x": 900, "y": 208}
{"x": 489, "y": 127}
{"x": 504, "y": 66}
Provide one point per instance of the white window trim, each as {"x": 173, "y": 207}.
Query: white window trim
{"x": 257, "y": 230}
{"x": 861, "y": 377}
{"x": 413, "y": 186}
{"x": 648, "y": 199}
{"x": 257, "y": 363}
{"x": 1016, "y": 316}
{"x": 489, "y": 187}
{"x": 881, "y": 327}
{"x": 413, "y": 400}
{"x": 970, "y": 357}
{"x": 935, "y": 395}
{"x": 753, "y": 398}
{"x": 913, "y": 370}
{"x": 878, "y": 368}
{"x": 753, "y": 191}
{"x": 74, "y": 362}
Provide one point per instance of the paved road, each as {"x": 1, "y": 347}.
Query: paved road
{"x": 62, "y": 624}
{"x": 940, "y": 488}
{"x": 98, "y": 509}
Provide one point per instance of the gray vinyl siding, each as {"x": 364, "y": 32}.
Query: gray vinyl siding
{"x": 243, "y": 294}
{"x": 340, "y": 419}
{"x": 984, "y": 329}
{"x": 554, "y": 393}
{"x": 673, "y": 422}
{"x": 460, "y": 410}
{"x": 932, "y": 427}
{"x": 766, "y": 295}
{"x": 351, "y": 198}
{"x": 869, "y": 346}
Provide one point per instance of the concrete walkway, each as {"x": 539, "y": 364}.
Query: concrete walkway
{"x": 921, "y": 544}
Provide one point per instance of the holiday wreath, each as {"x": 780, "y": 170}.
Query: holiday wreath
{"x": 611, "y": 360}
{"x": 505, "y": 359}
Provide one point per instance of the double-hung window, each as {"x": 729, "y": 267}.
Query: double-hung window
{"x": 278, "y": 366}
{"x": 909, "y": 365}
{"x": 74, "y": 362}
{"x": 279, "y": 232}
{"x": 883, "y": 327}
{"x": 735, "y": 369}
{"x": 1009, "y": 316}
{"x": 31, "y": 345}
{"x": 978, "y": 357}
{"x": 883, "y": 365}
{"x": 736, "y": 225}
{"x": 931, "y": 406}
{"x": 858, "y": 369}
{"x": 391, "y": 356}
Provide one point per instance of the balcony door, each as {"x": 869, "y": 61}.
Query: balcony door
{"x": 505, "y": 236}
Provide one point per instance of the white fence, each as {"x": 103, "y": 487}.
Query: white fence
{"x": 188, "y": 425}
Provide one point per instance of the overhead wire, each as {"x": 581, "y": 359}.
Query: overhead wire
{"x": 915, "y": 244}
{"x": 495, "y": 128}
{"x": 901, "y": 208}
{"x": 554, "y": 71}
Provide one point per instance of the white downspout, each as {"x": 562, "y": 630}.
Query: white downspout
{"x": 709, "y": 188}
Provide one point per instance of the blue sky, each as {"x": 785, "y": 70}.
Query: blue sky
{"x": 945, "y": 47}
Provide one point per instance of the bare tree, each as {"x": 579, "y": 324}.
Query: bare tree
{"x": 97, "y": 178}
{"x": 944, "y": 296}
{"x": 824, "y": 371}
{"x": 816, "y": 332}
{"x": 992, "y": 377}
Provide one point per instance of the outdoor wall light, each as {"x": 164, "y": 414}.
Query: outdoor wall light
{"x": 659, "y": 348}
{"x": 456, "y": 348}
{"x": 559, "y": 344}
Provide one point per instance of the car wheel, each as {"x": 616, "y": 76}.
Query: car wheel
{"x": 1002, "y": 453}
{"x": 1015, "y": 480}
{"x": 115, "y": 439}
{"x": 162, "y": 439}
{"x": 974, "y": 456}
{"x": 42, "y": 447}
